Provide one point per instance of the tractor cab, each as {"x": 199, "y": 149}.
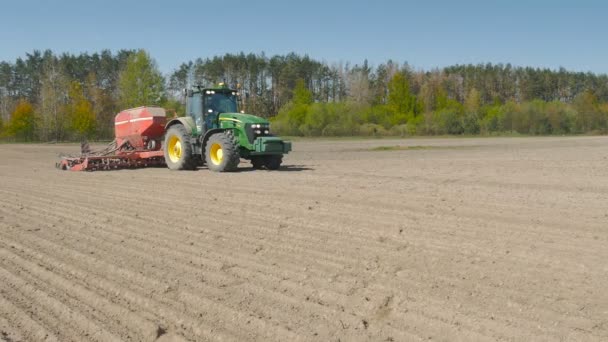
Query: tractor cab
{"x": 204, "y": 105}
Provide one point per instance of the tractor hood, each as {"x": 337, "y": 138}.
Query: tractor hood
{"x": 242, "y": 118}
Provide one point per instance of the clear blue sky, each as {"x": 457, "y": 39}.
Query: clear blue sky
{"x": 427, "y": 34}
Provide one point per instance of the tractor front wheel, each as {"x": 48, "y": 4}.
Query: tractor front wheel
{"x": 257, "y": 162}
{"x": 221, "y": 152}
{"x": 273, "y": 162}
{"x": 178, "y": 150}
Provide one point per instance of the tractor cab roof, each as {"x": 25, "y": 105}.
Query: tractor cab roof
{"x": 220, "y": 87}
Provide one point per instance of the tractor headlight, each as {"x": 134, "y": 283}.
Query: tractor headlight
{"x": 259, "y": 130}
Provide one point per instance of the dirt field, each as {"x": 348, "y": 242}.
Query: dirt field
{"x": 452, "y": 240}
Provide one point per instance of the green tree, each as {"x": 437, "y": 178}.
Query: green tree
{"x": 317, "y": 117}
{"x": 472, "y": 103}
{"x": 80, "y": 112}
{"x": 302, "y": 100}
{"x": 492, "y": 121}
{"x": 22, "y": 125}
{"x": 510, "y": 112}
{"x": 447, "y": 121}
{"x": 102, "y": 104}
{"x": 472, "y": 106}
{"x": 292, "y": 116}
{"x": 586, "y": 104}
{"x": 301, "y": 94}
{"x": 560, "y": 117}
{"x": 401, "y": 102}
{"x": 141, "y": 83}
{"x": 55, "y": 87}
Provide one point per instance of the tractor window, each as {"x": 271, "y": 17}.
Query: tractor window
{"x": 221, "y": 103}
{"x": 194, "y": 108}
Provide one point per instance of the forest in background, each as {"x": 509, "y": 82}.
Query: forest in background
{"x": 65, "y": 97}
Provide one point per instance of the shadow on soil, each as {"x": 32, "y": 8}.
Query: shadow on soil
{"x": 284, "y": 168}
{"x": 290, "y": 168}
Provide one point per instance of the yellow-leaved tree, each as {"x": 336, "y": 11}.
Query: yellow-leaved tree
{"x": 22, "y": 125}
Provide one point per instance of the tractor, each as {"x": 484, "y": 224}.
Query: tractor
{"x": 216, "y": 134}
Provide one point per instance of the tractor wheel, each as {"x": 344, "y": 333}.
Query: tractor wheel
{"x": 273, "y": 162}
{"x": 221, "y": 152}
{"x": 257, "y": 162}
{"x": 178, "y": 150}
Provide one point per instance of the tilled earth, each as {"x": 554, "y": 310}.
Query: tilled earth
{"x": 452, "y": 240}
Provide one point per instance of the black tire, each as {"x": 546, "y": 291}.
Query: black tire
{"x": 257, "y": 162}
{"x": 178, "y": 149}
{"x": 273, "y": 162}
{"x": 221, "y": 152}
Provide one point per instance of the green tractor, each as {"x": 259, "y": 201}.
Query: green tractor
{"x": 215, "y": 133}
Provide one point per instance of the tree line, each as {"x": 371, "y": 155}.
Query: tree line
{"x": 61, "y": 97}
{"x": 49, "y": 97}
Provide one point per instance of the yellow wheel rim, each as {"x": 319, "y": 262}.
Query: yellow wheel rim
{"x": 174, "y": 147}
{"x": 216, "y": 154}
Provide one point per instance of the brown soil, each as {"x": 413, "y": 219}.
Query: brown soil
{"x": 450, "y": 240}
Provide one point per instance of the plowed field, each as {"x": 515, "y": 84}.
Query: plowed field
{"x": 450, "y": 240}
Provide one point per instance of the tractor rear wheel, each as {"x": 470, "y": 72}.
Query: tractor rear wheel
{"x": 221, "y": 152}
{"x": 273, "y": 162}
{"x": 178, "y": 150}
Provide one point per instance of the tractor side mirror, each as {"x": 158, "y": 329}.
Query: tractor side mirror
{"x": 188, "y": 92}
